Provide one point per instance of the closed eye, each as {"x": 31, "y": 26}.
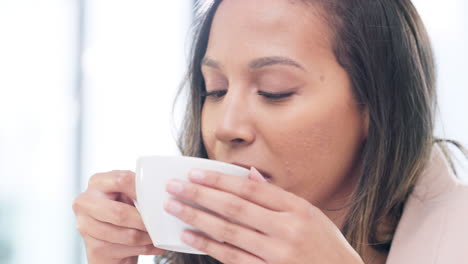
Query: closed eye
{"x": 275, "y": 96}
{"x": 215, "y": 94}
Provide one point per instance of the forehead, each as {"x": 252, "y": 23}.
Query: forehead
{"x": 266, "y": 27}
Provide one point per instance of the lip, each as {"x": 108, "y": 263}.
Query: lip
{"x": 265, "y": 174}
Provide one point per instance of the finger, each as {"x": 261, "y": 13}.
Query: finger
{"x": 255, "y": 175}
{"x": 114, "y": 182}
{"x": 112, "y": 212}
{"x": 223, "y": 252}
{"x": 220, "y": 229}
{"x": 98, "y": 249}
{"x": 265, "y": 195}
{"x": 111, "y": 233}
{"x": 227, "y": 205}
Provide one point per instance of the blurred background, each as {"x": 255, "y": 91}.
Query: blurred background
{"x": 87, "y": 86}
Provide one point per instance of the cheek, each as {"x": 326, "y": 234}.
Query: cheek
{"x": 208, "y": 125}
{"x": 316, "y": 145}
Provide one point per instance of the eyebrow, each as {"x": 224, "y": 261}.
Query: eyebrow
{"x": 258, "y": 63}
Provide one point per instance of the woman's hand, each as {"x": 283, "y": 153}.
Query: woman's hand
{"x": 269, "y": 225}
{"x": 109, "y": 223}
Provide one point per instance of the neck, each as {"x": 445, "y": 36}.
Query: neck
{"x": 337, "y": 209}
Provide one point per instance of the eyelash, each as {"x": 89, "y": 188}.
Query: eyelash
{"x": 215, "y": 94}
{"x": 269, "y": 96}
{"x": 273, "y": 96}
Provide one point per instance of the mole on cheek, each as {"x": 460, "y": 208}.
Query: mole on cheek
{"x": 322, "y": 78}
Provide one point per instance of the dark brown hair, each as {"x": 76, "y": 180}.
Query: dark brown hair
{"x": 386, "y": 52}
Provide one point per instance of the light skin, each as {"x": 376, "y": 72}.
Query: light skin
{"x": 308, "y": 141}
{"x": 310, "y": 138}
{"x": 110, "y": 225}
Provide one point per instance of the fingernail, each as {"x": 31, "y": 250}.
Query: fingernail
{"x": 175, "y": 187}
{"x": 197, "y": 175}
{"x": 187, "y": 237}
{"x": 256, "y": 175}
{"x": 173, "y": 206}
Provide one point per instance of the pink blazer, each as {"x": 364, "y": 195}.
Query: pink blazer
{"x": 434, "y": 225}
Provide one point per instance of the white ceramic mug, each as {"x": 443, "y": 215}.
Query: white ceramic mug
{"x": 152, "y": 175}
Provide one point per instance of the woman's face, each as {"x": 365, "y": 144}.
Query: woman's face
{"x": 308, "y": 140}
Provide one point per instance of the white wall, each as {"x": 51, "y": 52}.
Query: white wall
{"x": 133, "y": 64}
{"x": 37, "y": 124}
{"x": 447, "y": 24}
{"x": 134, "y": 61}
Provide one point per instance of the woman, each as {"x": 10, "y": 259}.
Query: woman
{"x": 333, "y": 103}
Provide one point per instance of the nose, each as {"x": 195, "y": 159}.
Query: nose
{"x": 235, "y": 126}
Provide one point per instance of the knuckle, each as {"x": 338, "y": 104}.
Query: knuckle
{"x": 147, "y": 250}
{"x": 94, "y": 179}
{"x": 76, "y": 205}
{"x": 215, "y": 179}
{"x": 231, "y": 256}
{"x": 81, "y": 229}
{"x": 98, "y": 249}
{"x": 124, "y": 179}
{"x": 248, "y": 188}
{"x": 228, "y": 233}
{"x": 233, "y": 208}
{"x": 193, "y": 192}
{"x": 118, "y": 214}
{"x": 284, "y": 255}
{"x": 304, "y": 209}
{"x": 312, "y": 211}
{"x": 189, "y": 215}
{"x": 202, "y": 244}
{"x": 293, "y": 230}
{"x": 79, "y": 204}
{"x": 133, "y": 237}
{"x": 127, "y": 261}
